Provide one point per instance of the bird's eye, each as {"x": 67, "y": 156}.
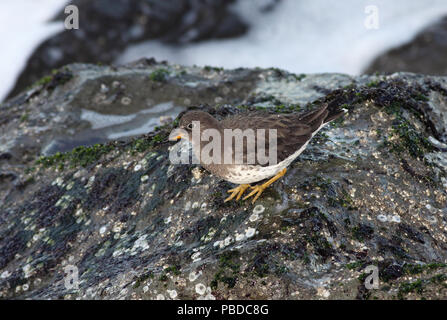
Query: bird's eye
{"x": 190, "y": 126}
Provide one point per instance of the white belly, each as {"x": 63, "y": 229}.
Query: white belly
{"x": 246, "y": 174}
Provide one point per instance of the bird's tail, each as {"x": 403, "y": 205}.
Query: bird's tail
{"x": 334, "y": 112}
{"x": 322, "y": 115}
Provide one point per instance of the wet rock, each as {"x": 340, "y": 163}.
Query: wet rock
{"x": 423, "y": 54}
{"x": 107, "y": 27}
{"x": 370, "y": 190}
{"x": 94, "y": 104}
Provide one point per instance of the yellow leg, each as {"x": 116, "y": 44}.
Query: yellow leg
{"x": 260, "y": 188}
{"x": 238, "y": 191}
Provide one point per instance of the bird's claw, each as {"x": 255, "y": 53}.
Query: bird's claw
{"x": 258, "y": 190}
{"x": 237, "y": 192}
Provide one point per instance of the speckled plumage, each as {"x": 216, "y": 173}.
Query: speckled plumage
{"x": 294, "y": 131}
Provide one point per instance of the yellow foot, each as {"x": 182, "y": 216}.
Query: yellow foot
{"x": 260, "y": 188}
{"x": 238, "y": 191}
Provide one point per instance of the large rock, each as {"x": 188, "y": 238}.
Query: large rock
{"x": 107, "y": 27}
{"x": 369, "y": 190}
{"x": 425, "y": 53}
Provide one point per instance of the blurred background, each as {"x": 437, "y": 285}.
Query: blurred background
{"x": 350, "y": 36}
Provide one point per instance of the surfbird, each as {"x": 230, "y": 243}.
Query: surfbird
{"x": 292, "y": 133}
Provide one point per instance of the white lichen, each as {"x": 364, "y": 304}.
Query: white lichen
{"x": 200, "y": 289}
{"x": 240, "y": 237}
{"x": 102, "y": 230}
{"x": 194, "y": 275}
{"x": 141, "y": 242}
{"x": 196, "y": 257}
{"x": 250, "y": 232}
{"x": 228, "y": 240}
{"x": 172, "y": 293}
{"x": 258, "y": 209}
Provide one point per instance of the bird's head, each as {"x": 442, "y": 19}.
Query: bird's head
{"x": 193, "y": 120}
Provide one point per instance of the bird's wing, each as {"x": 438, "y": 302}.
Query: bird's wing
{"x": 292, "y": 132}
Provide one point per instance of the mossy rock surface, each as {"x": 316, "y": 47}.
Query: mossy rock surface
{"x": 370, "y": 190}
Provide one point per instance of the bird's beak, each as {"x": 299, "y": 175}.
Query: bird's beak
{"x": 176, "y": 135}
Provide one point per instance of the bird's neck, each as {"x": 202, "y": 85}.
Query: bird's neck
{"x": 210, "y": 137}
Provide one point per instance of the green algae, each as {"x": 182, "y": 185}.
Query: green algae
{"x": 174, "y": 270}
{"x": 159, "y": 75}
{"x": 420, "y": 97}
{"x": 228, "y": 270}
{"x": 291, "y": 108}
{"x": 354, "y": 265}
{"x": 143, "y": 144}
{"x": 210, "y": 68}
{"x": 409, "y": 287}
{"x": 43, "y": 81}
{"x": 163, "y": 277}
{"x": 276, "y": 108}
{"x": 345, "y": 200}
{"x": 321, "y": 245}
{"x": 373, "y": 84}
{"x": 141, "y": 279}
{"x": 86, "y": 155}
{"x": 413, "y": 269}
{"x": 79, "y": 156}
{"x": 410, "y": 138}
{"x": 24, "y": 117}
{"x": 56, "y": 78}
{"x": 393, "y": 98}
{"x": 299, "y": 77}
